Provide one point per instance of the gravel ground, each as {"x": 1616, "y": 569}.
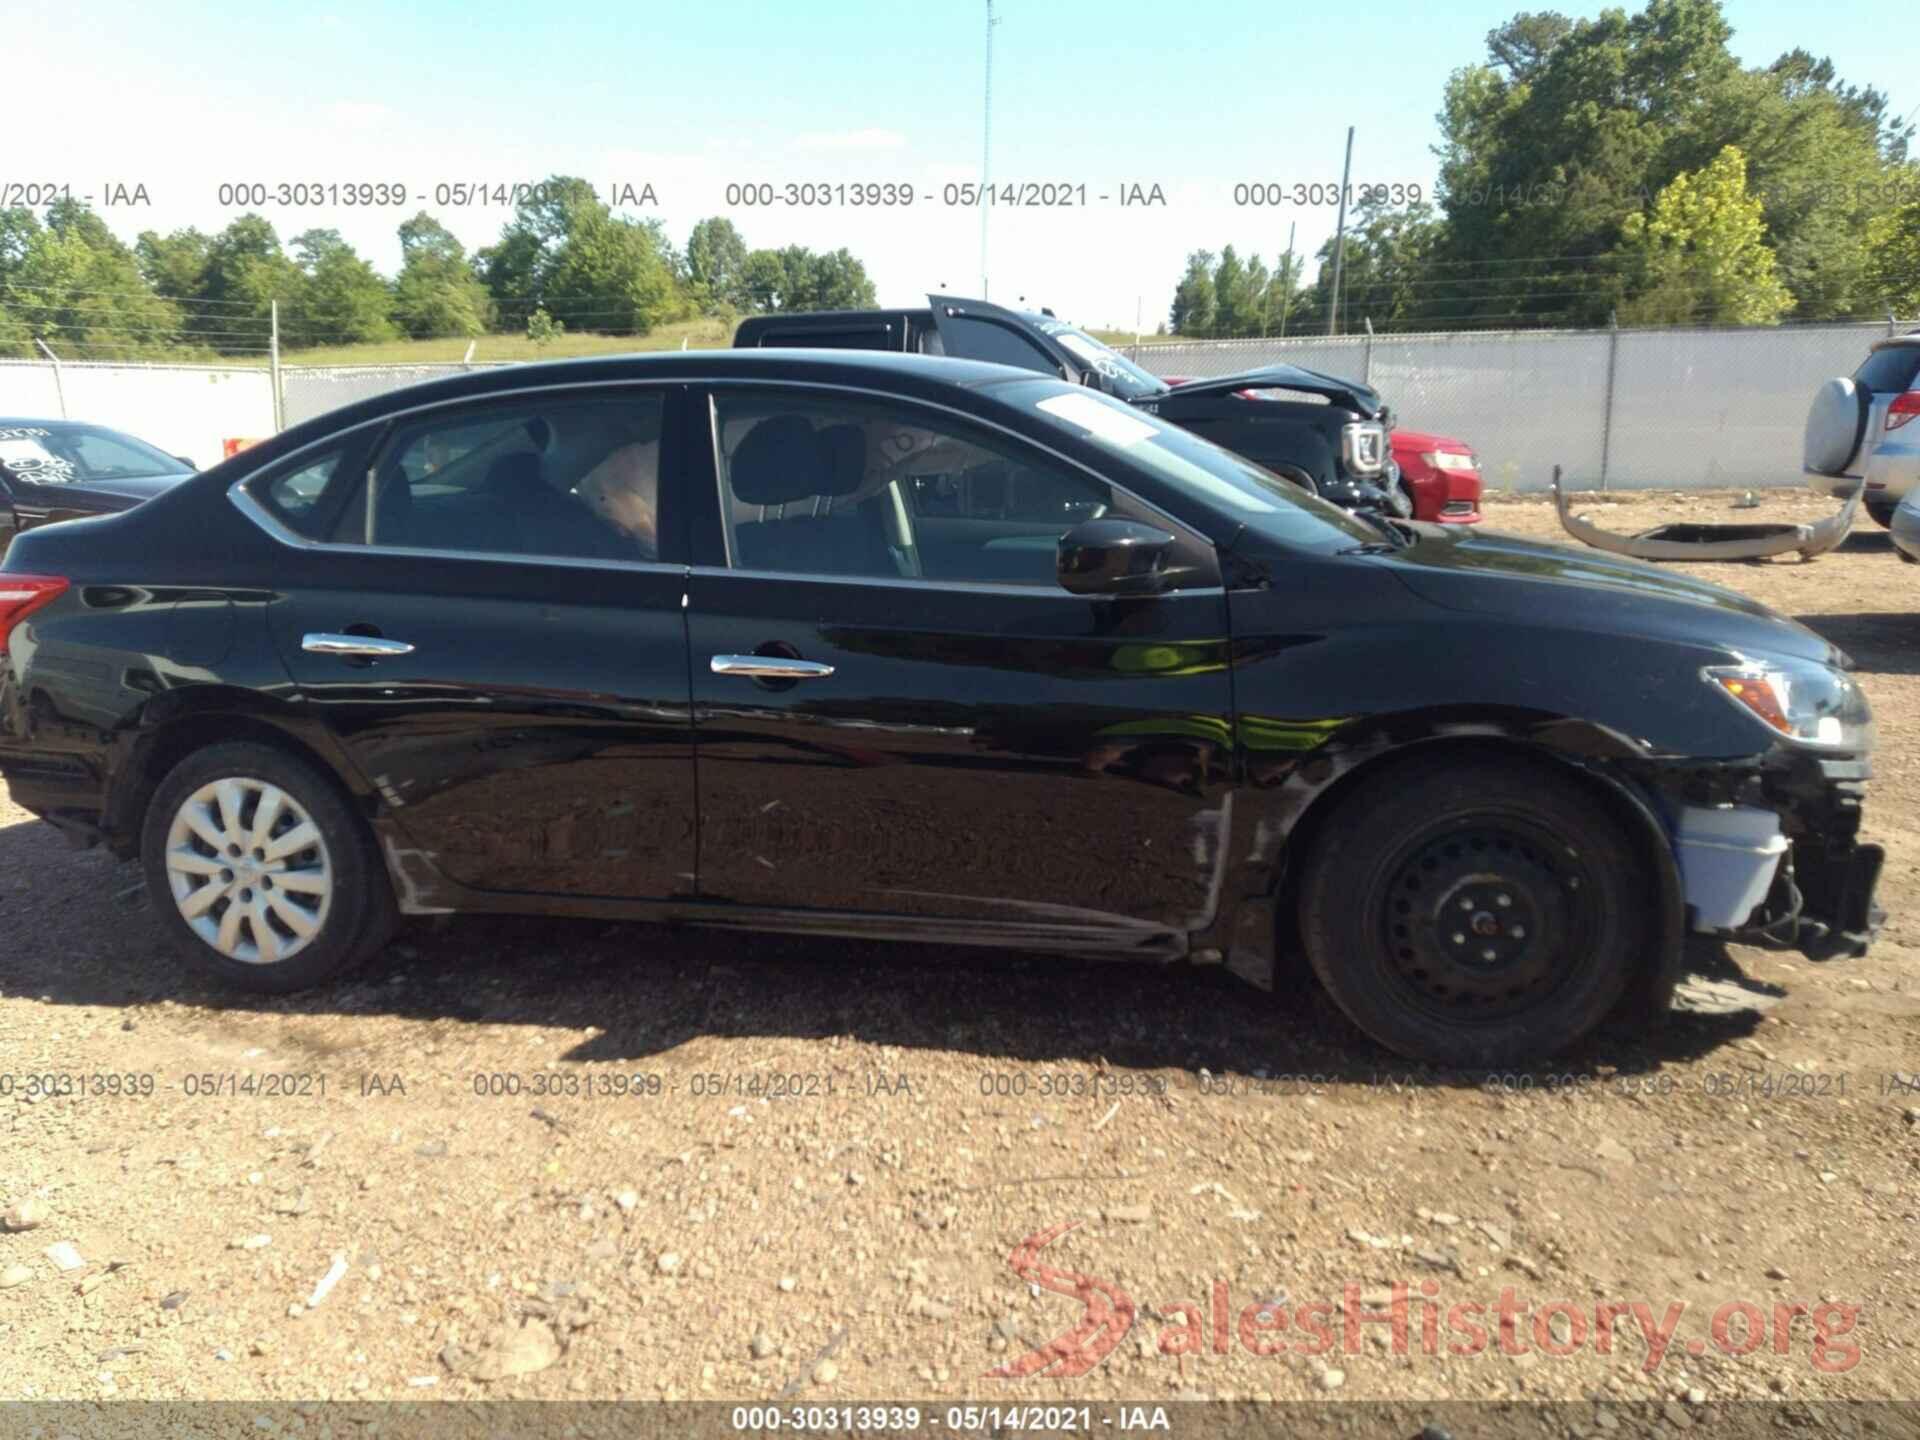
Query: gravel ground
{"x": 726, "y": 1167}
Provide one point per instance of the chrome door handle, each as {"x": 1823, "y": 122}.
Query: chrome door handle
{"x": 372, "y": 647}
{"x": 770, "y": 667}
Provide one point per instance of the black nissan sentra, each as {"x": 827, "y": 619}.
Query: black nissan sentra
{"x": 894, "y": 646}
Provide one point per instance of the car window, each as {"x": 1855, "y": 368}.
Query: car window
{"x": 846, "y": 488}
{"x": 1184, "y": 461}
{"x": 974, "y": 339}
{"x": 574, "y": 479}
{"x": 112, "y": 457}
{"x": 27, "y": 454}
{"x": 294, "y": 495}
{"x": 1892, "y": 369}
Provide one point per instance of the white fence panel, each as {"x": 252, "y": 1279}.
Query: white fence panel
{"x": 187, "y": 410}
{"x": 311, "y": 390}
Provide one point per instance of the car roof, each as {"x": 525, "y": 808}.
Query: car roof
{"x": 925, "y": 375}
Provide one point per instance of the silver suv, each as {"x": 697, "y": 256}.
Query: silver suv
{"x": 1866, "y": 429}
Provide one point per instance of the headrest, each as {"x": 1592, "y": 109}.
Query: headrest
{"x": 780, "y": 461}
{"x": 847, "y": 456}
{"x": 517, "y": 471}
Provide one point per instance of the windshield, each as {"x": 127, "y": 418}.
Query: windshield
{"x": 1229, "y": 484}
{"x": 77, "y": 454}
{"x": 1130, "y": 382}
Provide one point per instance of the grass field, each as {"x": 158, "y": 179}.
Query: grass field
{"x": 687, "y": 334}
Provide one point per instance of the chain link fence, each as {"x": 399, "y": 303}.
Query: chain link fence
{"x": 1617, "y": 409}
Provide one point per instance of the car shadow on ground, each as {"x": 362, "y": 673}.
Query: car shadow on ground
{"x": 1881, "y": 643}
{"x": 89, "y": 939}
{"x": 1870, "y": 540}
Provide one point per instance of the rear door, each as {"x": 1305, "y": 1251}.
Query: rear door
{"x": 901, "y": 713}
{"x": 485, "y": 608}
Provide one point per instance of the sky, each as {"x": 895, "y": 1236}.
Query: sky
{"x": 689, "y": 99}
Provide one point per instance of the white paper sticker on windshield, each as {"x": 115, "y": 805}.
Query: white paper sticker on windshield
{"x": 29, "y": 460}
{"x": 1102, "y": 421}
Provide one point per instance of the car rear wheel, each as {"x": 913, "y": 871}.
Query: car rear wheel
{"x": 260, "y": 871}
{"x": 1475, "y": 913}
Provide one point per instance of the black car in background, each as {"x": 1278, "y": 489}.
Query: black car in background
{"x": 59, "y": 470}
{"x": 706, "y": 638}
{"x": 1321, "y": 432}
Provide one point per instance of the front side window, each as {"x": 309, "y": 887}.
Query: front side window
{"x": 971, "y": 338}
{"x": 571, "y": 479}
{"x": 847, "y": 488}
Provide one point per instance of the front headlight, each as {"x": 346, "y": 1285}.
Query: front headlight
{"x": 1450, "y": 460}
{"x": 1810, "y": 703}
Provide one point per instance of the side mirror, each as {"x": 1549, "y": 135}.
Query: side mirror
{"x": 1113, "y": 557}
{"x": 1094, "y": 380}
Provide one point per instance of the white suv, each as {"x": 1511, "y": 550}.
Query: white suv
{"x": 1867, "y": 429}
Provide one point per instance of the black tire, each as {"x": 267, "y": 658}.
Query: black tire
{"x": 1419, "y": 841}
{"x": 1881, "y": 511}
{"x": 358, "y": 913}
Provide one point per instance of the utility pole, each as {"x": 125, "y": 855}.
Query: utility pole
{"x": 273, "y": 357}
{"x": 1286, "y": 283}
{"x": 986, "y": 151}
{"x": 1340, "y": 238}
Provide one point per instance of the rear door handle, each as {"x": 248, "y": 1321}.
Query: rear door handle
{"x": 770, "y": 667}
{"x": 372, "y": 647}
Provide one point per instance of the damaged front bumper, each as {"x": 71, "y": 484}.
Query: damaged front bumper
{"x": 1769, "y": 855}
{"x": 1688, "y": 541}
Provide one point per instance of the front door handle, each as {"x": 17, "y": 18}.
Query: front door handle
{"x": 770, "y": 667}
{"x": 370, "y": 647}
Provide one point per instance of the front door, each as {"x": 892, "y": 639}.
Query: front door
{"x": 483, "y": 615}
{"x": 900, "y": 712}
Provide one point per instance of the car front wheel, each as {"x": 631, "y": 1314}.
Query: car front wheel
{"x": 260, "y": 871}
{"x": 1481, "y": 912}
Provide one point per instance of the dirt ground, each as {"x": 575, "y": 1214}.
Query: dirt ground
{"x": 572, "y": 1160}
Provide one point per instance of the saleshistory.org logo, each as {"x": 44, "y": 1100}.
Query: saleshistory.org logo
{"x": 1412, "y": 1321}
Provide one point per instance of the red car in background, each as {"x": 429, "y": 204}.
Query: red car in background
{"x": 1440, "y": 474}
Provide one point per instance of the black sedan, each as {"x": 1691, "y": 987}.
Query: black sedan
{"x": 895, "y": 646}
{"x": 59, "y": 470}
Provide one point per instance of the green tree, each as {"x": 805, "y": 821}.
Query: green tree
{"x": 1700, "y": 253}
{"x": 343, "y": 299}
{"x": 1387, "y": 273}
{"x": 437, "y": 292}
{"x": 1236, "y": 295}
{"x": 1893, "y": 258}
{"x": 566, "y": 251}
{"x": 175, "y": 265}
{"x": 71, "y": 283}
{"x": 1573, "y": 126}
{"x": 763, "y": 281}
{"x": 246, "y": 272}
{"x": 716, "y": 256}
{"x": 1193, "y": 301}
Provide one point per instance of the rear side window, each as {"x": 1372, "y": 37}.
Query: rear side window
{"x": 1890, "y": 370}
{"x": 998, "y": 344}
{"x": 566, "y": 478}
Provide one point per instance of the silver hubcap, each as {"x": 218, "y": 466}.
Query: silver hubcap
{"x": 249, "y": 870}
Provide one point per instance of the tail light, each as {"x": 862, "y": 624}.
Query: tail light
{"x": 1364, "y": 447}
{"x": 1904, "y": 408}
{"x": 21, "y": 595}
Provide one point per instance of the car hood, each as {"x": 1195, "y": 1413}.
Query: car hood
{"x": 1523, "y": 580}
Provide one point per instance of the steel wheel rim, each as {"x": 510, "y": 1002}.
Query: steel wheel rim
{"x": 249, "y": 870}
{"x": 1487, "y": 918}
